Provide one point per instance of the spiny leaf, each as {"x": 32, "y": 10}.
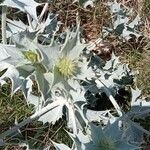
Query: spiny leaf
{"x": 23, "y": 5}
{"x": 61, "y": 146}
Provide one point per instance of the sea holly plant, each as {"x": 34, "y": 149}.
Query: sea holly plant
{"x": 122, "y": 25}
{"x": 140, "y": 108}
{"x": 122, "y": 133}
{"x": 109, "y": 78}
{"x": 23, "y": 5}
{"x": 98, "y": 138}
{"x": 43, "y": 28}
{"x": 43, "y": 31}
{"x": 49, "y": 65}
{"x": 68, "y": 79}
{"x": 51, "y": 69}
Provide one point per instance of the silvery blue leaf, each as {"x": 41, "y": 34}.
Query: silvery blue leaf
{"x": 72, "y": 46}
{"x": 80, "y": 112}
{"x": 53, "y": 115}
{"x": 15, "y": 27}
{"x": 114, "y": 6}
{"x": 113, "y": 130}
{"x": 44, "y": 81}
{"x": 100, "y": 116}
{"x": 61, "y": 146}
{"x": 139, "y": 107}
{"x": 44, "y": 31}
{"x": 13, "y": 74}
{"x": 37, "y": 101}
{"x": 96, "y": 133}
{"x": 85, "y": 72}
{"x": 49, "y": 25}
{"x": 50, "y": 55}
{"x": 135, "y": 95}
{"x": 78, "y": 94}
{"x": 137, "y": 101}
{"x": 26, "y": 87}
{"x": 112, "y": 63}
{"x": 3, "y": 53}
{"x": 1, "y": 142}
{"x": 23, "y": 5}
{"x": 136, "y": 135}
{"x": 120, "y": 20}
{"x": 127, "y": 34}
{"x": 11, "y": 54}
{"x": 124, "y": 146}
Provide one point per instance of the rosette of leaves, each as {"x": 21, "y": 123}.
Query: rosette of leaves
{"x": 122, "y": 25}
{"x": 57, "y": 69}
{"x": 139, "y": 108}
{"x": 69, "y": 67}
{"x": 98, "y": 138}
{"x": 63, "y": 63}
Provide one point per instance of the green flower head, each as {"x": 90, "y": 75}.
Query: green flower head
{"x": 66, "y": 67}
{"x": 98, "y": 138}
{"x": 30, "y": 56}
{"x": 68, "y": 61}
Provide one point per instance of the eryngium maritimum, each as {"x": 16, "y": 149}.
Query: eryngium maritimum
{"x": 66, "y": 67}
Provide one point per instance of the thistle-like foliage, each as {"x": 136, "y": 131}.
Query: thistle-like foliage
{"x": 60, "y": 63}
{"x": 54, "y": 67}
{"x": 69, "y": 78}
{"x": 42, "y": 29}
{"x": 140, "y": 108}
{"x": 71, "y": 63}
{"x": 121, "y": 22}
{"x": 98, "y": 138}
{"x": 24, "y": 5}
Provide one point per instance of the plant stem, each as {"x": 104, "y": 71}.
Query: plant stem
{"x": 108, "y": 93}
{"x": 30, "y": 21}
{"x": 4, "y": 11}
{"x": 42, "y": 13}
{"x": 72, "y": 117}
